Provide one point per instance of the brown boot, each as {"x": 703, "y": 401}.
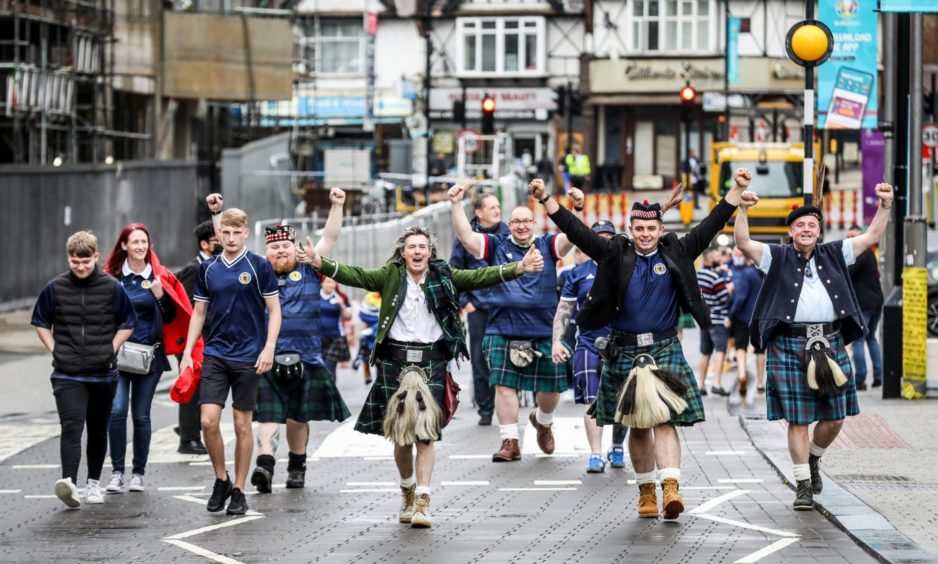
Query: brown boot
{"x": 545, "y": 436}
{"x": 743, "y": 383}
{"x": 407, "y": 504}
{"x": 509, "y": 451}
{"x": 673, "y": 505}
{"x": 647, "y": 501}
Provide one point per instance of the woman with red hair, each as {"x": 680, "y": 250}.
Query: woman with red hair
{"x": 163, "y": 311}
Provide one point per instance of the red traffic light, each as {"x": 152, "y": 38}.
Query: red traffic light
{"x": 688, "y": 94}
{"x": 488, "y": 104}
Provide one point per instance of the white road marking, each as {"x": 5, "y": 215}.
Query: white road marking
{"x": 209, "y": 463}
{"x": 558, "y": 455}
{"x": 34, "y": 466}
{"x": 180, "y": 488}
{"x": 40, "y": 497}
{"x": 226, "y": 524}
{"x": 727, "y": 452}
{"x": 469, "y": 456}
{"x": 702, "y": 487}
{"x": 537, "y": 489}
{"x": 165, "y": 442}
{"x": 377, "y": 458}
{"x": 739, "y": 481}
{"x": 372, "y": 490}
{"x": 767, "y": 530}
{"x": 762, "y": 553}
{"x": 557, "y": 482}
{"x": 202, "y": 552}
{"x": 707, "y": 506}
{"x": 15, "y": 438}
{"x": 465, "y": 483}
{"x": 370, "y": 484}
{"x": 10, "y": 491}
{"x": 347, "y": 442}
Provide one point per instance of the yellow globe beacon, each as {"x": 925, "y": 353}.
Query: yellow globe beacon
{"x": 809, "y": 43}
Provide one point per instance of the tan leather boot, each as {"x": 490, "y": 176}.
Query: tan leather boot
{"x": 545, "y": 435}
{"x": 647, "y": 501}
{"x": 407, "y": 504}
{"x": 421, "y": 517}
{"x": 510, "y": 451}
{"x": 673, "y": 504}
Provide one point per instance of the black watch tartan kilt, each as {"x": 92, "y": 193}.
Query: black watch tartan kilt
{"x": 669, "y": 355}
{"x": 336, "y": 349}
{"x": 313, "y": 397}
{"x": 371, "y": 418}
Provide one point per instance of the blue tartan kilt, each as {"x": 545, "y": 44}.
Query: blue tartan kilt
{"x": 586, "y": 372}
{"x": 668, "y": 355}
{"x": 788, "y": 396}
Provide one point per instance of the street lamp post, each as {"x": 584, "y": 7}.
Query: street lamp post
{"x": 809, "y": 43}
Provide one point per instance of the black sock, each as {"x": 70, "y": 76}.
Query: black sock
{"x": 297, "y": 462}
{"x": 266, "y": 461}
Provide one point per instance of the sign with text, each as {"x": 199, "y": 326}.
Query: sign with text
{"x": 846, "y": 94}
{"x": 510, "y": 103}
{"x": 908, "y": 6}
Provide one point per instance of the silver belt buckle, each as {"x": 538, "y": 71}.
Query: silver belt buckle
{"x": 645, "y": 339}
{"x": 414, "y": 355}
{"x": 815, "y": 330}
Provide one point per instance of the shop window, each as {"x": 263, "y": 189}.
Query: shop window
{"x": 673, "y": 25}
{"x": 331, "y": 47}
{"x": 501, "y": 45}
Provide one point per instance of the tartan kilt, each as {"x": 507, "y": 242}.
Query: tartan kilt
{"x": 587, "y": 367}
{"x": 787, "y": 393}
{"x": 313, "y": 397}
{"x": 336, "y": 349}
{"x": 371, "y": 418}
{"x": 542, "y": 375}
{"x": 669, "y": 355}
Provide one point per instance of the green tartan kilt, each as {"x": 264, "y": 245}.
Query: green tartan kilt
{"x": 313, "y": 397}
{"x": 336, "y": 349}
{"x": 542, "y": 375}
{"x": 371, "y": 418}
{"x": 669, "y": 356}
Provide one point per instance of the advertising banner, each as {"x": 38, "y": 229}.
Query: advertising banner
{"x": 732, "y": 50}
{"x": 847, "y": 81}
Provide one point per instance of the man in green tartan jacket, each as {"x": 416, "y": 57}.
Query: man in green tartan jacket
{"x": 418, "y": 325}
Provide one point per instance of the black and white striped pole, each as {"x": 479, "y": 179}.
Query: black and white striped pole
{"x": 809, "y": 43}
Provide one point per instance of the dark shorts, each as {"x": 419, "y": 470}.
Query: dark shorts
{"x": 587, "y": 367}
{"x": 741, "y": 337}
{"x": 788, "y": 396}
{"x": 311, "y": 397}
{"x": 714, "y": 339}
{"x": 542, "y": 375}
{"x": 220, "y": 375}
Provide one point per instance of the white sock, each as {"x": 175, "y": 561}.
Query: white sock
{"x": 669, "y": 473}
{"x": 422, "y": 490}
{"x": 816, "y": 450}
{"x": 509, "y": 431}
{"x": 408, "y": 483}
{"x": 645, "y": 478}
{"x": 543, "y": 418}
{"x": 802, "y": 472}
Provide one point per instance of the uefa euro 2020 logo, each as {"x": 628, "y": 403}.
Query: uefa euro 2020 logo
{"x": 847, "y": 8}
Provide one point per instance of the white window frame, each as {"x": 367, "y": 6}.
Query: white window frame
{"x": 638, "y": 42}
{"x": 317, "y": 40}
{"x": 473, "y": 26}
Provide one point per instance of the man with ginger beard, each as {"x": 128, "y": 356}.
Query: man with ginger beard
{"x": 299, "y": 388}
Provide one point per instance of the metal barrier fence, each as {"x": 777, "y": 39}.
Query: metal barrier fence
{"x": 41, "y": 207}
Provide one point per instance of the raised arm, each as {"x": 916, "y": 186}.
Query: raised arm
{"x": 369, "y": 279}
{"x": 573, "y": 228}
{"x": 214, "y": 202}
{"x": 564, "y": 245}
{"x": 750, "y": 248}
{"x": 330, "y": 232}
{"x": 491, "y": 275}
{"x": 699, "y": 238}
{"x": 866, "y": 240}
{"x": 471, "y": 240}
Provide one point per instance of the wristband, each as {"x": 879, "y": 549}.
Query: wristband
{"x": 883, "y": 205}
{"x": 545, "y": 200}
{"x": 216, "y": 212}
{"x": 576, "y": 209}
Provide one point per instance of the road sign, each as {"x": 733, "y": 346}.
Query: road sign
{"x": 471, "y": 143}
{"x": 930, "y": 134}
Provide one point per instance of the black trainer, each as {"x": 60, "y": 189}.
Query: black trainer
{"x": 238, "y": 505}
{"x": 804, "y": 496}
{"x": 262, "y": 478}
{"x": 221, "y": 491}
{"x": 296, "y": 478}
{"x": 814, "y": 462}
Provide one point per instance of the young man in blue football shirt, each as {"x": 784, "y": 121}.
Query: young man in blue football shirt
{"x": 238, "y": 291}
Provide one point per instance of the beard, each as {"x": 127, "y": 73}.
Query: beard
{"x": 283, "y": 265}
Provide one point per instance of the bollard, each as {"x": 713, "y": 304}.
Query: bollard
{"x": 892, "y": 344}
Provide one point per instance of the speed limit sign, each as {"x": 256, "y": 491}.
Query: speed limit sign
{"x": 470, "y": 140}
{"x": 930, "y": 135}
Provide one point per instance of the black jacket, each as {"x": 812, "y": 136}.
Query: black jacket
{"x": 187, "y": 274}
{"x": 616, "y": 260}
{"x": 864, "y": 273}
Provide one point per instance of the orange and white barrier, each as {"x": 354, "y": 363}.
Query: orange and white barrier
{"x": 612, "y": 207}
{"x": 842, "y": 208}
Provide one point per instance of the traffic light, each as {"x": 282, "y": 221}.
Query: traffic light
{"x": 459, "y": 111}
{"x": 560, "y": 99}
{"x": 488, "y": 115}
{"x": 576, "y": 104}
{"x": 688, "y": 96}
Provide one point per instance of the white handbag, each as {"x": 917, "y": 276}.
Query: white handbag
{"x": 135, "y": 358}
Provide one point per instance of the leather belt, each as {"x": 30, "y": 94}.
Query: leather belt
{"x": 414, "y": 352}
{"x": 642, "y": 339}
{"x": 809, "y": 330}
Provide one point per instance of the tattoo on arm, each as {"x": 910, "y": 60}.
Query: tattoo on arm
{"x": 562, "y": 319}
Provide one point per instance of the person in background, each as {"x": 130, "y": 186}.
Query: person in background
{"x": 864, "y": 274}
{"x": 577, "y": 166}
{"x": 334, "y": 308}
{"x": 713, "y": 341}
{"x": 368, "y": 314}
{"x": 747, "y": 281}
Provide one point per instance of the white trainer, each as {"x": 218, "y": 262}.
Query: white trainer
{"x": 116, "y": 485}
{"x": 67, "y": 492}
{"x": 93, "y": 492}
{"x": 136, "y": 483}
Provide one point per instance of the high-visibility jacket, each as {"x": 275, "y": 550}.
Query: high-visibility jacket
{"x": 578, "y": 165}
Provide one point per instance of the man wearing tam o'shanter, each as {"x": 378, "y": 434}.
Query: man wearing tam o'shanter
{"x": 805, "y": 315}
{"x": 642, "y": 285}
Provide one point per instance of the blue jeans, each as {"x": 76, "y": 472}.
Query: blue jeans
{"x": 135, "y": 391}
{"x": 871, "y": 317}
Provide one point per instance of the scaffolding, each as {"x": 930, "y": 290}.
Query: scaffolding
{"x": 56, "y": 64}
